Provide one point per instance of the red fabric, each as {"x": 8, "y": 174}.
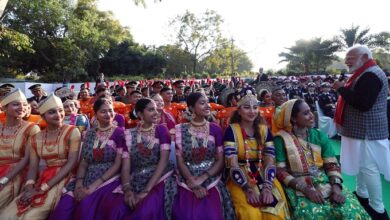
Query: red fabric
{"x": 39, "y": 199}
{"x": 4, "y": 169}
{"x": 338, "y": 117}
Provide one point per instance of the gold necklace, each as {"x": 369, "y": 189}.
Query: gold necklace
{"x": 51, "y": 145}
{"x": 146, "y": 129}
{"x": 8, "y": 140}
{"x": 105, "y": 129}
{"x": 98, "y": 139}
{"x": 198, "y": 124}
{"x": 147, "y": 138}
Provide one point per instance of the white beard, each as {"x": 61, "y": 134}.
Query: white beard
{"x": 357, "y": 65}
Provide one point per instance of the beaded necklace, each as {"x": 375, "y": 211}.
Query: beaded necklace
{"x": 199, "y": 131}
{"x": 100, "y": 142}
{"x": 146, "y": 136}
{"x": 309, "y": 159}
{"x": 52, "y": 144}
{"x": 8, "y": 139}
{"x": 252, "y": 175}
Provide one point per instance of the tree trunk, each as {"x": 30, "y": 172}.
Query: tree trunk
{"x": 194, "y": 65}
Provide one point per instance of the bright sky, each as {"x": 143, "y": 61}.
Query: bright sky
{"x": 263, "y": 28}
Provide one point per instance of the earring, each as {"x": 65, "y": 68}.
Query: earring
{"x": 193, "y": 115}
{"x": 141, "y": 122}
{"x": 294, "y": 127}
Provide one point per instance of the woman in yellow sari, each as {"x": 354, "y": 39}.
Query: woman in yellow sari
{"x": 308, "y": 168}
{"x": 58, "y": 146}
{"x": 249, "y": 154}
{"x": 15, "y": 133}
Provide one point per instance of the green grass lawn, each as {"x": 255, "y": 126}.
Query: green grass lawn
{"x": 349, "y": 181}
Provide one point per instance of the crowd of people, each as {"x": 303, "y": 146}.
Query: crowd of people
{"x": 224, "y": 149}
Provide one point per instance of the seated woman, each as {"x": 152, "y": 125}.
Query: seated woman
{"x": 250, "y": 162}
{"x": 58, "y": 145}
{"x": 308, "y": 168}
{"x": 119, "y": 119}
{"x": 201, "y": 193}
{"x": 81, "y": 121}
{"x": 147, "y": 181}
{"x": 98, "y": 172}
{"x": 265, "y": 98}
{"x": 14, "y": 154}
{"x": 164, "y": 117}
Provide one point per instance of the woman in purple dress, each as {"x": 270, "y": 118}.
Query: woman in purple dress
{"x": 164, "y": 117}
{"x": 199, "y": 150}
{"x": 148, "y": 186}
{"x": 98, "y": 172}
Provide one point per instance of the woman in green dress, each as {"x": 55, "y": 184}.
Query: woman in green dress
{"x": 307, "y": 166}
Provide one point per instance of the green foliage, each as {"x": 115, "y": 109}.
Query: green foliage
{"x": 351, "y": 36}
{"x": 381, "y": 41}
{"x": 312, "y": 55}
{"x": 12, "y": 45}
{"x": 68, "y": 41}
{"x": 129, "y": 58}
{"x": 382, "y": 58}
{"x": 178, "y": 61}
{"x": 225, "y": 57}
{"x": 198, "y": 36}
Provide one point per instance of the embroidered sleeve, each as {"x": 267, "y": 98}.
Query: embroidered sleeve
{"x": 178, "y": 140}
{"x": 283, "y": 175}
{"x": 280, "y": 154}
{"x": 34, "y": 129}
{"x": 118, "y": 140}
{"x": 217, "y": 131}
{"x": 74, "y": 140}
{"x": 120, "y": 120}
{"x": 332, "y": 168}
{"x": 269, "y": 159}
{"x": 162, "y": 134}
{"x": 231, "y": 159}
{"x": 128, "y": 143}
{"x": 331, "y": 165}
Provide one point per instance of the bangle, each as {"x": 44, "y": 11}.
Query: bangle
{"x": 300, "y": 186}
{"x": 126, "y": 187}
{"x": 29, "y": 182}
{"x": 267, "y": 186}
{"x": 45, "y": 187}
{"x": 145, "y": 191}
{"x": 4, "y": 180}
{"x": 246, "y": 188}
{"x": 195, "y": 188}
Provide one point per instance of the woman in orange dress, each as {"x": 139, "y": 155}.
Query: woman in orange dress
{"x": 15, "y": 133}
{"x": 58, "y": 145}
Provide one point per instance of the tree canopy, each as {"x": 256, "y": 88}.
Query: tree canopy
{"x": 310, "y": 55}
{"x": 73, "y": 41}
